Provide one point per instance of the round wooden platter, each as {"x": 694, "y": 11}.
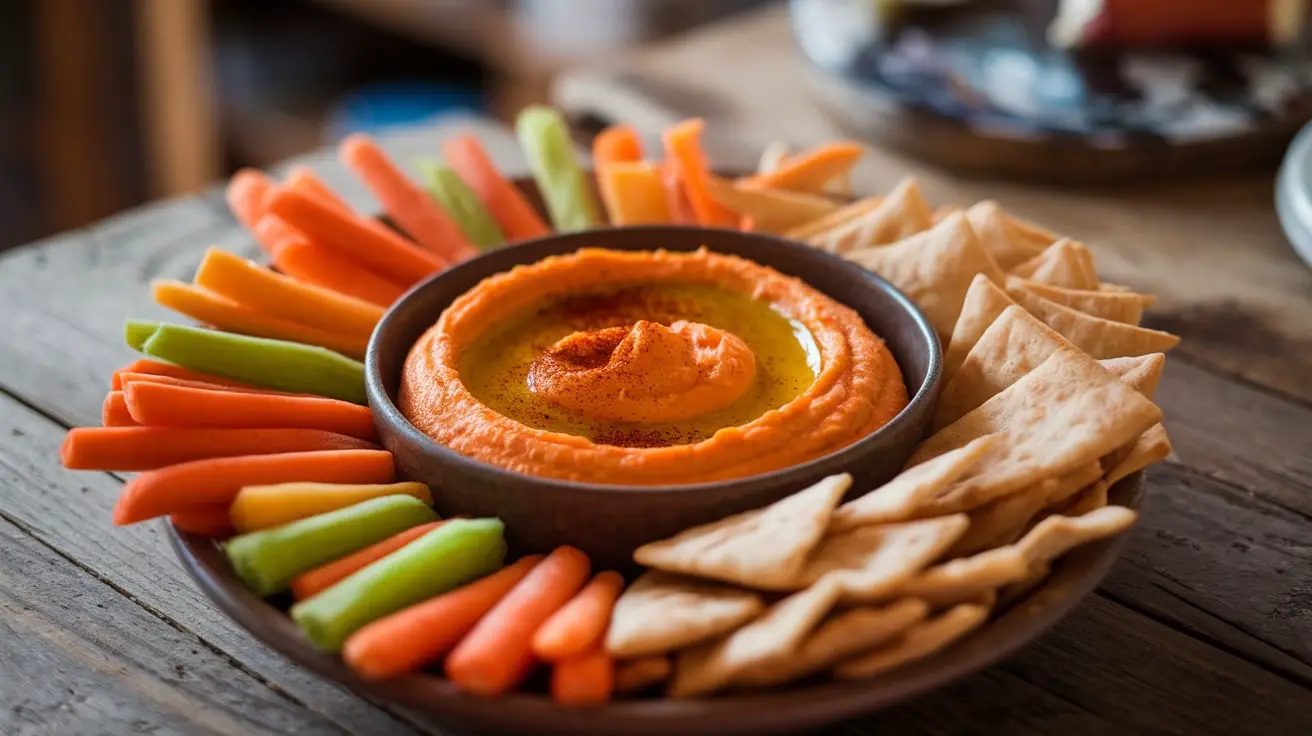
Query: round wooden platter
{"x": 978, "y": 89}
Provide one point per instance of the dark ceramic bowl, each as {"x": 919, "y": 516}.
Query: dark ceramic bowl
{"x": 610, "y": 521}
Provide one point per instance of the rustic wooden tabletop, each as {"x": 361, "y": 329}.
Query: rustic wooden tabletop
{"x": 1205, "y": 625}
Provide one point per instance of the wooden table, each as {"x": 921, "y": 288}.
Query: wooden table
{"x": 1204, "y": 627}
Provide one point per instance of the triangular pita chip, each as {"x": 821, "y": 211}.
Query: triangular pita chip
{"x": 835, "y": 220}
{"x": 1153, "y": 446}
{"x": 773, "y": 210}
{"x": 1061, "y": 415}
{"x": 1002, "y": 521}
{"x": 903, "y": 213}
{"x": 1087, "y": 500}
{"x": 900, "y": 498}
{"x": 1141, "y": 372}
{"x": 920, "y": 641}
{"x": 1026, "y": 585}
{"x": 946, "y": 211}
{"x": 660, "y": 613}
{"x": 772, "y": 157}
{"x": 1100, "y": 338}
{"x": 985, "y": 300}
{"x": 637, "y": 675}
{"x": 777, "y": 633}
{"x": 934, "y": 269}
{"x": 869, "y": 562}
{"x": 1064, "y": 263}
{"x": 1010, "y": 241}
{"x": 764, "y": 548}
{"x": 1117, "y": 306}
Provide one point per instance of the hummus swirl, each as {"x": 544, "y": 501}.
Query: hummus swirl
{"x": 650, "y": 370}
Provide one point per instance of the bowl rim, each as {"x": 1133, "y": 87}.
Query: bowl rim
{"x": 384, "y": 408}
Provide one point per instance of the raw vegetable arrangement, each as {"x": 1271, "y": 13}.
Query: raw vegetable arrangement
{"x": 252, "y": 430}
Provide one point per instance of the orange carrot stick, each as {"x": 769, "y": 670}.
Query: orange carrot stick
{"x": 810, "y": 171}
{"x": 303, "y": 179}
{"x": 246, "y": 192}
{"x": 151, "y": 448}
{"x": 675, "y": 198}
{"x": 325, "y": 576}
{"x": 747, "y": 224}
{"x": 145, "y": 366}
{"x": 407, "y": 640}
{"x": 409, "y": 205}
{"x": 258, "y": 288}
{"x": 616, "y": 144}
{"x": 683, "y": 145}
{"x": 498, "y": 653}
{"x": 207, "y": 522}
{"x": 114, "y": 412}
{"x": 381, "y": 251}
{"x": 633, "y": 193}
{"x": 216, "y": 481}
{"x": 209, "y": 308}
{"x": 581, "y": 623}
{"x": 328, "y": 269}
{"x": 273, "y": 234}
{"x": 126, "y": 379}
{"x": 160, "y": 405}
{"x": 512, "y": 211}
{"x": 585, "y": 680}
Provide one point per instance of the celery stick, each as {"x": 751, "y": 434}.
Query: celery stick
{"x": 462, "y": 205}
{"x": 451, "y": 555}
{"x": 276, "y": 364}
{"x": 564, "y": 186}
{"x": 267, "y": 560}
{"x": 138, "y": 331}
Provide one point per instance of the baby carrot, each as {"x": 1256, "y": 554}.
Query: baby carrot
{"x": 258, "y": 288}
{"x": 498, "y": 653}
{"x": 633, "y": 194}
{"x": 161, "y": 405}
{"x": 216, "y": 481}
{"x": 245, "y": 194}
{"x": 616, "y": 144}
{"x": 326, "y": 268}
{"x": 412, "y": 209}
{"x": 512, "y": 211}
{"x": 212, "y": 523}
{"x": 210, "y": 308}
{"x": 127, "y": 379}
{"x": 114, "y": 412}
{"x": 683, "y": 146}
{"x": 303, "y": 179}
{"x": 151, "y": 448}
{"x": 380, "y": 250}
{"x": 329, "y": 574}
{"x": 675, "y": 198}
{"x": 581, "y": 623}
{"x": 145, "y": 366}
{"x": 564, "y": 187}
{"x": 464, "y": 207}
{"x": 810, "y": 171}
{"x": 585, "y": 680}
{"x": 264, "y": 507}
{"x": 407, "y": 640}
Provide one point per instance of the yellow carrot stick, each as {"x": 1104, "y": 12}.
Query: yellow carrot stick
{"x": 264, "y": 507}
{"x": 634, "y": 193}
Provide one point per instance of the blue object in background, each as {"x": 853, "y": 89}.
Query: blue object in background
{"x": 384, "y": 105}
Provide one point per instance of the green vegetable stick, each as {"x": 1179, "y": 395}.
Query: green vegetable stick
{"x": 451, "y": 555}
{"x": 565, "y": 188}
{"x": 276, "y": 364}
{"x": 267, "y": 560}
{"x": 463, "y": 205}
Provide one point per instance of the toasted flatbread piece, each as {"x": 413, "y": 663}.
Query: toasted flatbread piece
{"x": 835, "y": 220}
{"x": 902, "y": 213}
{"x": 1087, "y": 500}
{"x": 637, "y": 675}
{"x": 1153, "y": 446}
{"x": 779, "y": 632}
{"x": 1026, "y": 585}
{"x": 1002, "y": 521}
{"x": 871, "y": 561}
{"x": 984, "y": 301}
{"x": 1099, "y": 338}
{"x": 841, "y": 636}
{"x": 765, "y": 548}
{"x": 773, "y": 210}
{"x": 920, "y": 641}
{"x": 934, "y": 269}
{"x": 946, "y": 211}
{"x": 1009, "y": 240}
{"x": 1141, "y": 372}
{"x": 1065, "y": 263}
{"x": 660, "y": 613}
{"x": 900, "y": 498}
{"x": 1061, "y": 415}
{"x": 1117, "y": 306}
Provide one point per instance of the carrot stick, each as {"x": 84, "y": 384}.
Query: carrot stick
{"x": 586, "y": 680}
{"x": 675, "y": 198}
{"x": 409, "y": 205}
{"x": 413, "y": 637}
{"x": 210, "y": 308}
{"x": 633, "y": 194}
{"x": 273, "y": 234}
{"x": 810, "y": 171}
{"x": 114, "y": 412}
{"x": 498, "y": 653}
{"x": 326, "y": 268}
{"x": 126, "y": 379}
{"x": 161, "y": 405}
{"x": 145, "y": 366}
{"x": 258, "y": 288}
{"x": 264, "y": 507}
{"x": 683, "y": 145}
{"x": 325, "y": 576}
{"x": 216, "y": 481}
{"x": 381, "y": 251}
{"x": 303, "y": 179}
{"x": 151, "y": 448}
{"x": 512, "y": 211}
{"x": 747, "y": 224}
{"x": 579, "y": 625}
{"x": 246, "y": 192}
{"x": 616, "y": 144}
{"x": 207, "y": 522}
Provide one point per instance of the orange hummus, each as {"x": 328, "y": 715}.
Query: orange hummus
{"x": 648, "y": 368}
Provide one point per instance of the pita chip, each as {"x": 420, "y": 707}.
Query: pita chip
{"x": 1140, "y": 372}
{"x": 1012, "y": 592}
{"x": 637, "y": 675}
{"x": 985, "y": 300}
{"x": 1002, "y": 521}
{"x": 1063, "y": 414}
{"x": 834, "y": 220}
{"x": 902, "y": 213}
{"x": 1065, "y": 263}
{"x": 920, "y": 641}
{"x": 765, "y": 548}
{"x": 1117, "y": 306}
{"x": 870, "y": 562}
{"x": 1153, "y": 446}
{"x": 1113, "y": 288}
{"x": 1010, "y": 241}
{"x": 1099, "y": 338}
{"x": 1087, "y": 500}
{"x": 946, "y": 211}
{"x": 900, "y": 498}
{"x": 773, "y": 210}
{"x": 661, "y": 612}
{"x": 934, "y": 269}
